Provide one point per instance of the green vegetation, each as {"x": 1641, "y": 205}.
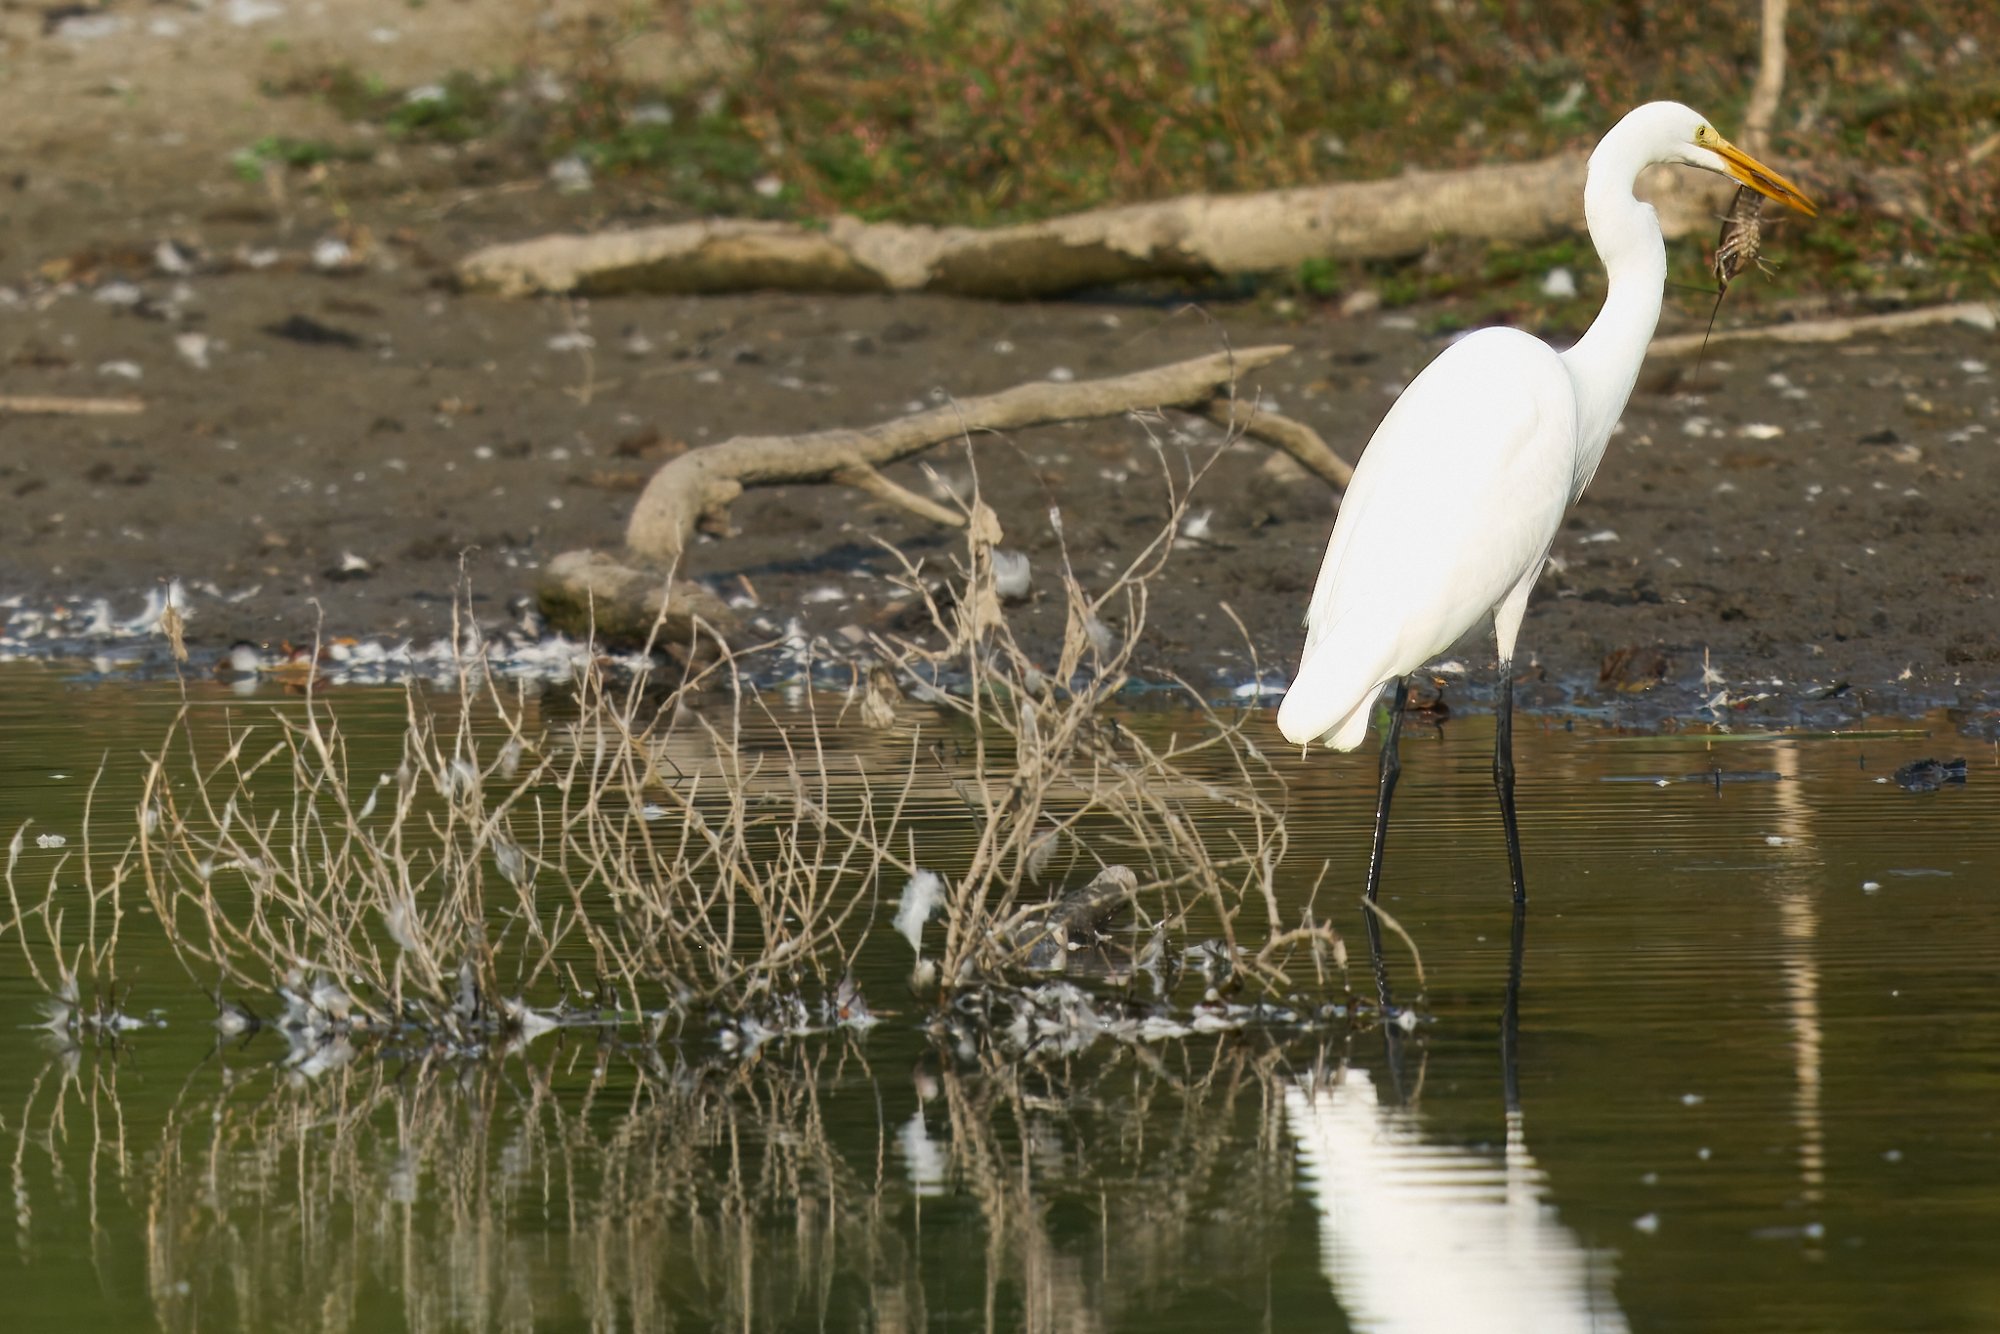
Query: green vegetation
{"x": 461, "y": 108}
{"x": 279, "y": 150}
{"x": 949, "y": 111}
{"x": 451, "y": 112}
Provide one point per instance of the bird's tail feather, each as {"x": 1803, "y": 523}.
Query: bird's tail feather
{"x": 1316, "y": 708}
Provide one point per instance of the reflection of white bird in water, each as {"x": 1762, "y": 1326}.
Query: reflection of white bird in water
{"x": 1456, "y": 500}
{"x": 1425, "y": 1237}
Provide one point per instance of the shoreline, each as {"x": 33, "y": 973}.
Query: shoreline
{"x": 1449, "y": 688}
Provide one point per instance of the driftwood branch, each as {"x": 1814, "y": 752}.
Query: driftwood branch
{"x": 1194, "y": 236}
{"x": 1295, "y": 438}
{"x": 865, "y": 478}
{"x": 44, "y": 405}
{"x": 698, "y": 487}
{"x": 1980, "y": 314}
{"x": 591, "y": 594}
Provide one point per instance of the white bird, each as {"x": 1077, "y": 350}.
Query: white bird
{"x": 1459, "y": 495}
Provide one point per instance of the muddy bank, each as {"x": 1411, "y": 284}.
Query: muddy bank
{"x": 335, "y": 444}
{"x": 329, "y": 430}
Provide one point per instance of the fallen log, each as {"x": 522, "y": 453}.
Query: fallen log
{"x": 1979, "y": 314}
{"x": 698, "y": 487}
{"x": 1190, "y": 237}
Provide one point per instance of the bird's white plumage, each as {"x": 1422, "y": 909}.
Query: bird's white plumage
{"x": 1457, "y": 455}
{"x": 1459, "y": 495}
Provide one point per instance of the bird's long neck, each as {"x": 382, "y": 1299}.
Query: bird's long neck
{"x": 1605, "y": 362}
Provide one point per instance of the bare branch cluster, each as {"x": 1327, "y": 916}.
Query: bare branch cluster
{"x": 635, "y": 854}
{"x": 1050, "y": 766}
{"x": 84, "y": 997}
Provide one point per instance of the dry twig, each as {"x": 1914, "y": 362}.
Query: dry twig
{"x": 1979, "y": 314}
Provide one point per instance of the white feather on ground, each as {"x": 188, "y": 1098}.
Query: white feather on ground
{"x": 1012, "y": 575}
{"x": 921, "y": 897}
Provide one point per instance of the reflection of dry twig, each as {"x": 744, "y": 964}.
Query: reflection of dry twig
{"x": 578, "y": 1190}
{"x": 1193, "y": 1180}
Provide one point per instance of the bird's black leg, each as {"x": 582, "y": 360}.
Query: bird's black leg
{"x": 1503, "y": 779}
{"x": 1386, "y": 786}
{"x": 1385, "y": 789}
{"x": 1510, "y": 1014}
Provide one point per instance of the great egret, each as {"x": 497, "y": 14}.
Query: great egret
{"x": 1458, "y": 497}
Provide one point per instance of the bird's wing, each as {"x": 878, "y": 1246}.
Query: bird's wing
{"x": 1456, "y": 498}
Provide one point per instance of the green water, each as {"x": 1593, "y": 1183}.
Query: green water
{"x": 1753, "y": 1095}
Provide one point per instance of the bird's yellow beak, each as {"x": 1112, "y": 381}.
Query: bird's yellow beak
{"x": 1751, "y": 172}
